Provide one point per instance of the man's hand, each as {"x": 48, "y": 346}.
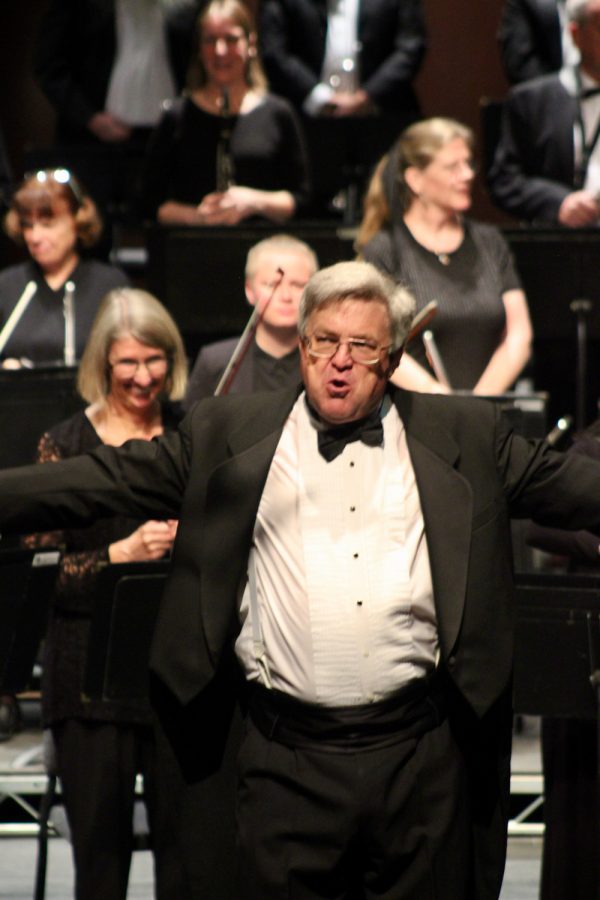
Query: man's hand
{"x": 148, "y": 542}
{"x": 579, "y": 209}
{"x": 108, "y": 129}
{"x": 343, "y": 104}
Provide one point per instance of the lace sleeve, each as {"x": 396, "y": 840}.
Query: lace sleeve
{"x": 78, "y": 568}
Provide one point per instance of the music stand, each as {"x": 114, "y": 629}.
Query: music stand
{"x": 26, "y": 583}
{"x": 125, "y": 610}
{"x": 557, "y": 651}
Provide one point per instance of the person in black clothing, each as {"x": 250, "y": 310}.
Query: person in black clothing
{"x": 230, "y": 150}
{"x": 132, "y": 370}
{"x": 273, "y": 359}
{"x": 416, "y": 228}
{"x": 570, "y": 862}
{"x": 546, "y": 165}
{"x": 106, "y": 66}
{"x": 350, "y": 70}
{"x": 57, "y": 220}
{"x": 533, "y": 38}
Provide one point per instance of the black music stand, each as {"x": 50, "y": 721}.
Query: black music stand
{"x": 125, "y": 610}
{"x": 127, "y": 598}
{"x": 557, "y": 645}
{"x": 26, "y": 583}
{"x": 557, "y": 650}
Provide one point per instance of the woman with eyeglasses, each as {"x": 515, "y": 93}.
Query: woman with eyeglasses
{"x": 132, "y": 371}
{"x": 48, "y": 304}
{"x": 229, "y": 150}
{"x": 416, "y": 229}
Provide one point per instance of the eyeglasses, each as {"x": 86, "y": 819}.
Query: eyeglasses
{"x": 60, "y": 176}
{"x": 325, "y": 346}
{"x": 128, "y": 368}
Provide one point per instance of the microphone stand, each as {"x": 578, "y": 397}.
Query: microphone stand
{"x": 581, "y": 309}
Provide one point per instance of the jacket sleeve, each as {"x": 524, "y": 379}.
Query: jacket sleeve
{"x": 141, "y": 479}
{"x": 54, "y": 61}
{"x": 389, "y": 80}
{"x": 513, "y": 183}
{"x": 520, "y": 45}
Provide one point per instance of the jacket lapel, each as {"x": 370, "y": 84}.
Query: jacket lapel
{"x": 233, "y": 494}
{"x": 446, "y": 502}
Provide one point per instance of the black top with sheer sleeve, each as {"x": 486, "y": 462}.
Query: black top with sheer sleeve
{"x": 85, "y": 550}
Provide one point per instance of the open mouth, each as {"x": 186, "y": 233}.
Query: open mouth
{"x": 338, "y": 387}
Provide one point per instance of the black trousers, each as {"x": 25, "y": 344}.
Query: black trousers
{"x": 316, "y": 820}
{"x": 97, "y": 764}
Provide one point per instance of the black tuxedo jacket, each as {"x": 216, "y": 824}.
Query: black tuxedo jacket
{"x": 472, "y": 475}
{"x": 534, "y": 165}
{"x": 75, "y": 52}
{"x": 392, "y": 40}
{"x": 530, "y": 39}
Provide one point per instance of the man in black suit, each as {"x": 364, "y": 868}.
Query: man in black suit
{"x": 352, "y": 542}
{"x": 531, "y": 38}
{"x": 339, "y": 63}
{"x": 546, "y": 166}
{"x": 272, "y": 361}
{"x": 106, "y": 66}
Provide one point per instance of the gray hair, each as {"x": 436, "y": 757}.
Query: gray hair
{"x": 278, "y": 243}
{"x": 359, "y": 281}
{"x": 576, "y": 10}
{"x": 130, "y": 311}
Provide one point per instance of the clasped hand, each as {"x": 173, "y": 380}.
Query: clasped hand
{"x": 148, "y": 542}
{"x": 228, "y": 207}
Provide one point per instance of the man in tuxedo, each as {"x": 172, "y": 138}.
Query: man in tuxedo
{"x": 534, "y": 39}
{"x": 277, "y": 269}
{"x": 343, "y": 63}
{"x": 350, "y": 543}
{"x": 547, "y": 163}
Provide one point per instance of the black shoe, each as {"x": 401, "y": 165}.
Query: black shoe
{"x": 10, "y": 717}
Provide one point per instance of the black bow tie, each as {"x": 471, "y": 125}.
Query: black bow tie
{"x": 331, "y": 441}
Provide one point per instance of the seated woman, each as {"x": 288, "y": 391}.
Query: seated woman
{"x": 133, "y": 368}
{"x": 48, "y": 304}
{"x": 229, "y": 150}
{"x": 414, "y": 227}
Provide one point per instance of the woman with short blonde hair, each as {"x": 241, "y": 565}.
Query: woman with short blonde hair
{"x": 133, "y": 367}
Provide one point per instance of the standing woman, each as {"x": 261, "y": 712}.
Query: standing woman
{"x": 55, "y": 295}
{"x": 415, "y": 228}
{"x": 132, "y": 370}
{"x": 229, "y": 150}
